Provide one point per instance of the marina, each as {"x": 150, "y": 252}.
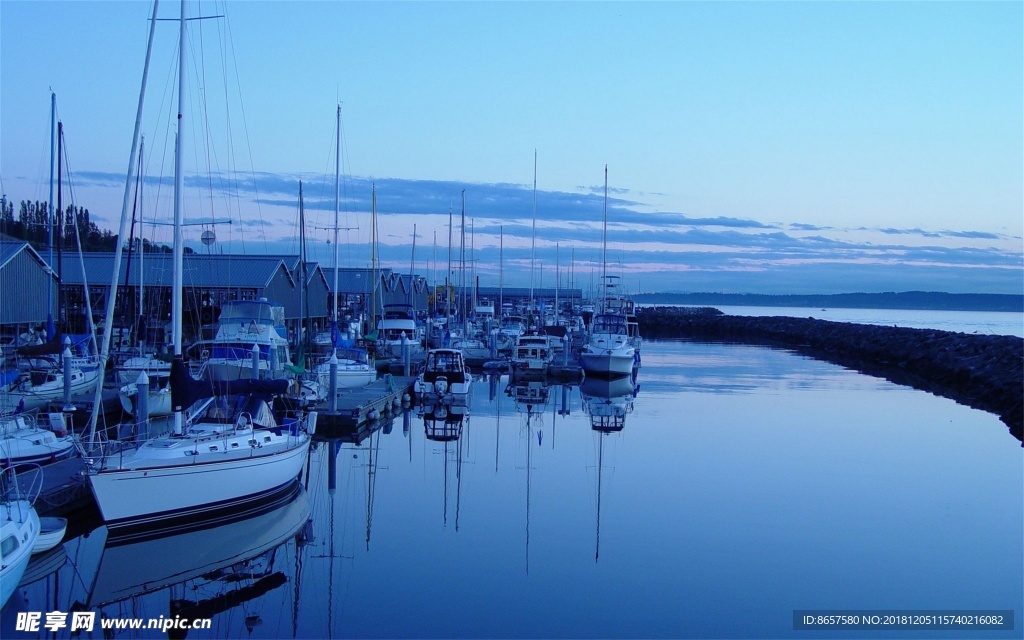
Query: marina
{"x": 569, "y": 489}
{"x": 378, "y": 385}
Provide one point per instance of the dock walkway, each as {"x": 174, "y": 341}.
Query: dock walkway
{"x": 356, "y": 406}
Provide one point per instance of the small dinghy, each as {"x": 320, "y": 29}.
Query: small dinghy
{"x": 51, "y": 533}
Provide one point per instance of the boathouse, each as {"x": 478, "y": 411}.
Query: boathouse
{"x": 28, "y": 289}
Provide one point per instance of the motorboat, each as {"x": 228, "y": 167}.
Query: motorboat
{"x": 251, "y": 342}
{"x": 355, "y": 368}
{"x": 397, "y": 327}
{"x": 609, "y": 352}
{"x": 532, "y": 354}
{"x": 445, "y": 378}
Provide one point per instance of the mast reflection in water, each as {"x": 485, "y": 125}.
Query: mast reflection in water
{"x": 739, "y": 479}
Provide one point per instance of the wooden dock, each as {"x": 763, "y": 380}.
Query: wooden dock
{"x": 356, "y": 406}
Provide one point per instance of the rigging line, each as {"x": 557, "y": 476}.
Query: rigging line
{"x": 245, "y": 127}
{"x": 346, "y": 167}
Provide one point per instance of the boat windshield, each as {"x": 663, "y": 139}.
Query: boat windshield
{"x": 613, "y": 324}
{"x": 246, "y": 310}
{"x": 444, "y": 361}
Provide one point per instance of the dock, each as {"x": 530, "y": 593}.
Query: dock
{"x": 356, "y": 406}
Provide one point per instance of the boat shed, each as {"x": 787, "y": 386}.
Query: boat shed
{"x": 209, "y": 281}
{"x": 317, "y": 289}
{"x": 25, "y": 279}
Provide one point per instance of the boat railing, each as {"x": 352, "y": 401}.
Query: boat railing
{"x": 24, "y": 482}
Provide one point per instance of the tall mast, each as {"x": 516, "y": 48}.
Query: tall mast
{"x": 179, "y": 243}
{"x": 109, "y": 315}
{"x": 501, "y": 271}
{"x": 448, "y": 276}
{"x": 412, "y": 272}
{"x": 337, "y": 201}
{"x": 303, "y": 293}
{"x": 462, "y": 262}
{"x": 604, "y": 241}
{"x": 373, "y": 253}
{"x": 50, "y": 330}
{"x": 533, "y": 241}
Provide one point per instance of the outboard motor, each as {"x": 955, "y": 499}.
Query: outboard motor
{"x": 441, "y": 385}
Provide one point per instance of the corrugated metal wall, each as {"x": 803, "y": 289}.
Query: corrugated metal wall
{"x": 23, "y": 288}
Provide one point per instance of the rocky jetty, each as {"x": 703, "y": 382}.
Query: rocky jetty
{"x": 980, "y": 371}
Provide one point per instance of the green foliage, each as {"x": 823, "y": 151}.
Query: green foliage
{"x": 33, "y": 225}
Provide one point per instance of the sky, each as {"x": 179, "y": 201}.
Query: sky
{"x": 751, "y": 147}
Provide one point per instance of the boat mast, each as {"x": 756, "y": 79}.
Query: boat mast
{"x": 111, "y": 298}
{"x": 501, "y": 272}
{"x": 337, "y": 204}
{"x": 50, "y": 329}
{"x": 373, "y": 255}
{"x": 604, "y": 242}
{"x": 462, "y": 264}
{"x": 448, "y": 277}
{"x": 412, "y": 272}
{"x": 533, "y": 241}
{"x": 179, "y": 186}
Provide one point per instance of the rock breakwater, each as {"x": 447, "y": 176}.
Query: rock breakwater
{"x": 980, "y": 371}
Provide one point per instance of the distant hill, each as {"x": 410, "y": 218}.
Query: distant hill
{"x": 931, "y": 300}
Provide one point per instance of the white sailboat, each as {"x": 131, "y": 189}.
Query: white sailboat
{"x": 353, "y": 366}
{"x": 234, "y": 456}
{"x": 19, "y": 530}
{"x": 24, "y": 441}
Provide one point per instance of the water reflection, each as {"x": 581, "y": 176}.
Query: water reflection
{"x": 186, "y": 575}
{"x": 607, "y": 402}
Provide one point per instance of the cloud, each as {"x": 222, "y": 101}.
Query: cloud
{"x": 667, "y": 250}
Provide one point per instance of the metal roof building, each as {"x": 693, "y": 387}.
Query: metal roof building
{"x": 25, "y": 279}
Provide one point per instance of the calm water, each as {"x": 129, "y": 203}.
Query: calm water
{"x": 983, "y": 322}
{"x": 745, "y": 484}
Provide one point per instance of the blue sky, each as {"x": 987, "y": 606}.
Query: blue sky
{"x": 790, "y": 147}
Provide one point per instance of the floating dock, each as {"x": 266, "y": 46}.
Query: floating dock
{"x": 356, "y": 406}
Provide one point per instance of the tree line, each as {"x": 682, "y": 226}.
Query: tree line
{"x": 33, "y": 225}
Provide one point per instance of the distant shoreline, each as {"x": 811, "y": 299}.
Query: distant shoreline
{"x": 921, "y": 300}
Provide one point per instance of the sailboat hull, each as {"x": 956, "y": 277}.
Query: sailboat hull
{"x": 134, "y": 567}
{"x": 182, "y": 494}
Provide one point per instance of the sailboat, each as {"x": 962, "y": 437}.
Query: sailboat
{"x": 353, "y": 367}
{"x": 58, "y": 369}
{"x": 233, "y": 457}
{"x": 19, "y": 530}
{"x": 24, "y": 441}
{"x": 610, "y": 351}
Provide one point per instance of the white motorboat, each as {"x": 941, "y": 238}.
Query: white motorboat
{"x": 609, "y": 352}
{"x": 532, "y": 354}
{"x": 398, "y": 323}
{"x": 245, "y": 326}
{"x": 445, "y": 379}
{"x": 355, "y": 368}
